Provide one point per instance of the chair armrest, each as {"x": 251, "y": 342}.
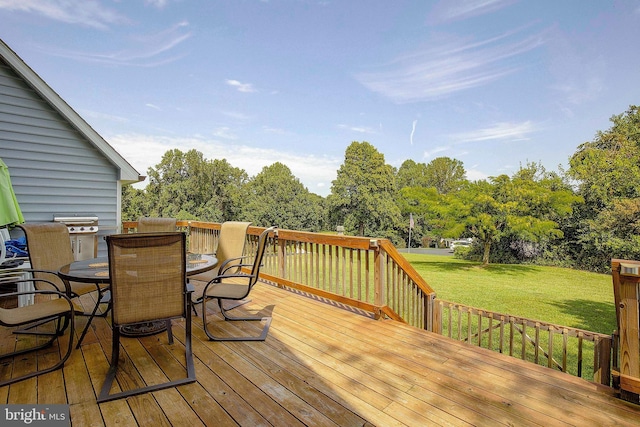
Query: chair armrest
{"x": 39, "y": 291}
{"x": 66, "y": 283}
{"x": 229, "y": 276}
{"x": 223, "y": 267}
{"x": 39, "y": 270}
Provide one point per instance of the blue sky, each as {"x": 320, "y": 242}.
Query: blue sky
{"x": 492, "y": 83}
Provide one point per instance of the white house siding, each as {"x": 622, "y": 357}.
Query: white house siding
{"x": 54, "y": 168}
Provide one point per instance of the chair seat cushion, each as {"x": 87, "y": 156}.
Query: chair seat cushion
{"x": 30, "y": 313}
{"x": 228, "y": 290}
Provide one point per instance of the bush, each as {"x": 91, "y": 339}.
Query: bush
{"x": 462, "y": 252}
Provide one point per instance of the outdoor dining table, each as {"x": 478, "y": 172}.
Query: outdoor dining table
{"x": 96, "y": 270}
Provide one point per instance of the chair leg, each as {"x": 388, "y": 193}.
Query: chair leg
{"x": 91, "y": 316}
{"x": 169, "y": 331}
{"x": 115, "y": 351}
{"x": 69, "y": 320}
{"x": 193, "y": 307}
{"x": 102, "y": 292}
{"x": 261, "y": 337}
{"x": 111, "y": 374}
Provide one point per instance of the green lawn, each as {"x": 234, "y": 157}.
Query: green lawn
{"x": 557, "y": 295}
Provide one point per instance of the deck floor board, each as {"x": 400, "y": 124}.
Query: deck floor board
{"x": 321, "y": 365}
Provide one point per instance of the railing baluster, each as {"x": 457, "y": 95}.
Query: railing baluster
{"x": 536, "y": 351}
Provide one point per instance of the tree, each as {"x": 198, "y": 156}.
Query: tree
{"x": 411, "y": 174}
{"x": 608, "y": 173}
{"x": 276, "y": 197}
{"x": 134, "y": 203}
{"x": 523, "y": 208}
{"x": 228, "y": 190}
{"x": 431, "y": 219}
{"x": 445, "y": 174}
{"x": 187, "y": 186}
{"x": 608, "y": 167}
{"x": 362, "y": 194}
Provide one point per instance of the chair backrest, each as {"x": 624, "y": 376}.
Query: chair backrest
{"x": 233, "y": 236}
{"x": 49, "y": 247}
{"x": 148, "y": 276}
{"x": 260, "y": 249}
{"x": 153, "y": 225}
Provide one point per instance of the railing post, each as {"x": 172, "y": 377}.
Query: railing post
{"x": 378, "y": 274}
{"x": 602, "y": 361}
{"x": 432, "y": 314}
{"x": 281, "y": 258}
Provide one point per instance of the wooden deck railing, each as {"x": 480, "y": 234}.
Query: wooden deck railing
{"x": 582, "y": 353}
{"x": 370, "y": 275}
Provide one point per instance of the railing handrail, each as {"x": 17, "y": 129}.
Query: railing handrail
{"x": 392, "y": 251}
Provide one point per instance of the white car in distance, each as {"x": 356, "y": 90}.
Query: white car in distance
{"x": 457, "y": 243}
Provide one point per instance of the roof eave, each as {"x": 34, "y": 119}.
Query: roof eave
{"x": 127, "y": 173}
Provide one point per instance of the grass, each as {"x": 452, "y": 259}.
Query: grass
{"x": 557, "y": 295}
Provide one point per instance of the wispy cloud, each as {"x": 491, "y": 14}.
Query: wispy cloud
{"x": 147, "y": 50}
{"x": 160, "y": 4}
{"x": 413, "y": 131}
{"x": 474, "y": 174}
{"x": 499, "y": 131}
{"x": 235, "y": 115}
{"x": 359, "y": 129}
{"x": 277, "y": 131}
{"x": 447, "y": 11}
{"x": 225, "y": 133}
{"x": 90, "y": 13}
{"x": 432, "y": 153}
{"x": 448, "y": 66}
{"x": 242, "y": 87}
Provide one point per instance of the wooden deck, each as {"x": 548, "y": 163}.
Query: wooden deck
{"x": 320, "y": 366}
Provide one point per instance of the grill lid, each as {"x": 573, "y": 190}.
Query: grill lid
{"x": 76, "y": 219}
{"x": 78, "y": 224}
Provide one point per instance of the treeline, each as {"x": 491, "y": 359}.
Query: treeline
{"x": 579, "y": 218}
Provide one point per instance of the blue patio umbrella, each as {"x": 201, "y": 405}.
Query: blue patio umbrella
{"x": 10, "y": 212}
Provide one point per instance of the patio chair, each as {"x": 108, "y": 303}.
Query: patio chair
{"x": 148, "y": 283}
{"x": 154, "y": 225}
{"x": 231, "y": 242}
{"x": 236, "y": 285}
{"x": 49, "y": 247}
{"x": 45, "y": 310}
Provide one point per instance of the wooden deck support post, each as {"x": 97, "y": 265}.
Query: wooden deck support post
{"x": 626, "y": 284}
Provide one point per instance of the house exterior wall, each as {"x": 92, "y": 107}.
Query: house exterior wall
{"x": 54, "y": 168}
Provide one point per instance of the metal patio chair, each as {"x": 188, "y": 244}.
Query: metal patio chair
{"x": 235, "y": 285}
{"x": 230, "y": 251}
{"x": 49, "y": 306}
{"x": 49, "y": 247}
{"x": 154, "y": 225}
{"x": 148, "y": 283}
